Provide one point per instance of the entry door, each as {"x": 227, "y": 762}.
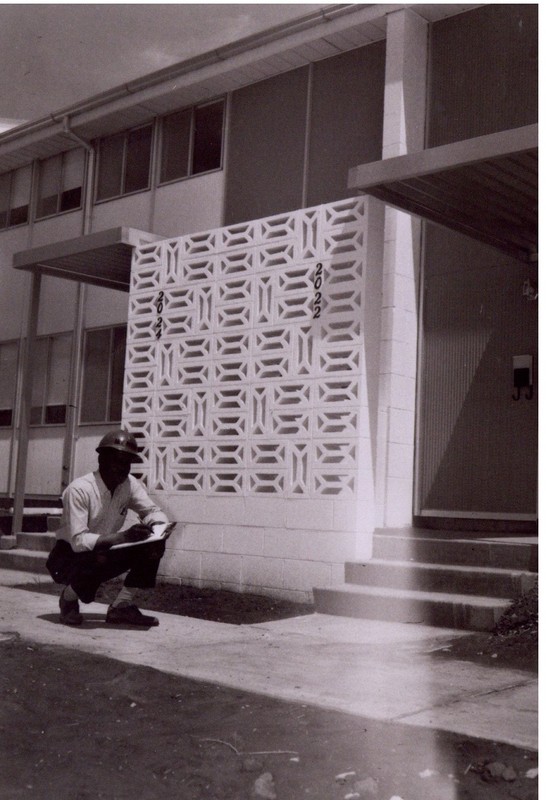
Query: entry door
{"x": 477, "y": 445}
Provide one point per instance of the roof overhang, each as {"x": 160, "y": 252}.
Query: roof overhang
{"x": 486, "y": 187}
{"x": 102, "y": 258}
{"x": 322, "y": 33}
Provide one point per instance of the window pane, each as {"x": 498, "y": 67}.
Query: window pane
{"x": 207, "y": 146}
{"x": 71, "y": 198}
{"x": 110, "y": 167}
{"x": 38, "y": 380}
{"x": 5, "y": 182}
{"x": 175, "y": 145}
{"x": 95, "y": 376}
{"x": 49, "y": 183}
{"x": 118, "y": 368}
{"x": 20, "y": 194}
{"x": 55, "y": 414}
{"x": 8, "y": 379}
{"x": 72, "y": 179}
{"x": 137, "y": 170}
{"x": 57, "y": 381}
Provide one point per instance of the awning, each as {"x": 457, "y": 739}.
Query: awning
{"x": 102, "y": 258}
{"x": 485, "y": 187}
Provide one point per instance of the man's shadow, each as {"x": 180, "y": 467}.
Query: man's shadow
{"x": 92, "y": 621}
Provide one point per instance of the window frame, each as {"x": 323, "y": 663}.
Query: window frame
{"x": 9, "y": 211}
{"x": 39, "y": 217}
{"x": 43, "y": 423}
{"x": 17, "y": 344}
{"x": 125, "y": 134}
{"x": 191, "y": 145}
{"x": 110, "y": 381}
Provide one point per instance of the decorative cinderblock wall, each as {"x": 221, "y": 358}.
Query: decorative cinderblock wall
{"x": 249, "y": 366}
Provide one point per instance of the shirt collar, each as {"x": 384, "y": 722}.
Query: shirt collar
{"x": 102, "y": 487}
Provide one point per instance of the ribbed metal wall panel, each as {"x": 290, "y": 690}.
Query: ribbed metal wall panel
{"x": 478, "y": 447}
{"x": 483, "y": 72}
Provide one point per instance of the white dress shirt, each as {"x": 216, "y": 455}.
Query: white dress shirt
{"x": 89, "y": 509}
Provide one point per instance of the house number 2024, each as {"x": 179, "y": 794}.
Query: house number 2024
{"x": 317, "y": 294}
{"x": 159, "y": 319}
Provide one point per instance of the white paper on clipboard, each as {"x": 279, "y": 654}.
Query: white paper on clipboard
{"x": 162, "y": 530}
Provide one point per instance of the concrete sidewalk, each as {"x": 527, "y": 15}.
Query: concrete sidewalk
{"x": 383, "y": 671}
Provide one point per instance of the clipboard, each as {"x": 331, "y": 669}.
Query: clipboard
{"x": 161, "y": 530}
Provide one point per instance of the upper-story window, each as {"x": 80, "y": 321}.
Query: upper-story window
{"x": 124, "y": 163}
{"x": 15, "y": 197}
{"x": 191, "y": 141}
{"x": 60, "y": 181}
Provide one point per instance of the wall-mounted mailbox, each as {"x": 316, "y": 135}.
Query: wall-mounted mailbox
{"x": 523, "y": 376}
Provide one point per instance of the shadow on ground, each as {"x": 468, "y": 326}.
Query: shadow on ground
{"x": 215, "y": 605}
{"x": 513, "y": 644}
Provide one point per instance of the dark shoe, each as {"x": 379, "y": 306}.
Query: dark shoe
{"x": 129, "y": 615}
{"x": 70, "y": 611}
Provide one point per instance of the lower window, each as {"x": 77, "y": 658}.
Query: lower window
{"x": 50, "y": 379}
{"x": 103, "y": 367}
{"x": 8, "y": 381}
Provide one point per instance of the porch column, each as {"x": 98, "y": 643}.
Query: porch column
{"x": 403, "y": 132}
{"x": 26, "y": 402}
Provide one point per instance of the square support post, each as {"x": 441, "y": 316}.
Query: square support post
{"x": 26, "y": 402}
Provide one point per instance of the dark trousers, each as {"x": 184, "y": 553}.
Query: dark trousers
{"x": 86, "y": 571}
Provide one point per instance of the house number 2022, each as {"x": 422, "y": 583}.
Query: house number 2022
{"x": 159, "y": 319}
{"x": 317, "y": 294}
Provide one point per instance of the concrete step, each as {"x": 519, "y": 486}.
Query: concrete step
{"x": 511, "y": 552}
{"x": 24, "y": 560}
{"x": 468, "y": 612}
{"x": 36, "y": 541}
{"x": 40, "y": 520}
{"x": 483, "y": 581}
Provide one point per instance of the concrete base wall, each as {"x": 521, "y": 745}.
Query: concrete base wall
{"x": 281, "y": 547}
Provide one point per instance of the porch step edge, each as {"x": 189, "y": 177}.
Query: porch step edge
{"x": 428, "y": 576}
{"x": 468, "y": 612}
{"x": 24, "y": 560}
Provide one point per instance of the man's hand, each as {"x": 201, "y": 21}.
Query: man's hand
{"x": 136, "y": 533}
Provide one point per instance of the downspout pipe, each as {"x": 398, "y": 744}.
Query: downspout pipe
{"x": 79, "y": 321}
{"x": 83, "y": 142}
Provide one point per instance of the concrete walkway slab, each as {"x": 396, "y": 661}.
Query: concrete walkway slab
{"x": 381, "y": 670}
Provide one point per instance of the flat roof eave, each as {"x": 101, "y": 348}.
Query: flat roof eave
{"x": 102, "y": 258}
{"x": 485, "y": 187}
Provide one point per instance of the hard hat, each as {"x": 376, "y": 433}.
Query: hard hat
{"x": 120, "y": 440}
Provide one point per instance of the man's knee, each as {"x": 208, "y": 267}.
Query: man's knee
{"x": 156, "y": 551}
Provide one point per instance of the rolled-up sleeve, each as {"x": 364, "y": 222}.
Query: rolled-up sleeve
{"x": 75, "y": 522}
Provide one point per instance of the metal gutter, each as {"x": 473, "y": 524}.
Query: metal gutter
{"x": 219, "y": 55}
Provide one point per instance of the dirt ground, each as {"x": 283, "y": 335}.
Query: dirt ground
{"x": 75, "y": 726}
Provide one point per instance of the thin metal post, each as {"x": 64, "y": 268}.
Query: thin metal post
{"x": 26, "y": 402}
{"x": 73, "y": 390}
{"x": 73, "y": 402}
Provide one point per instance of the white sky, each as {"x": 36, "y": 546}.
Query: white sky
{"x": 53, "y": 55}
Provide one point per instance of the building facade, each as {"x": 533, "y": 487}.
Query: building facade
{"x": 303, "y": 271}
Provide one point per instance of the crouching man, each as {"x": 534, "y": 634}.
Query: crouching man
{"x": 85, "y": 553}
